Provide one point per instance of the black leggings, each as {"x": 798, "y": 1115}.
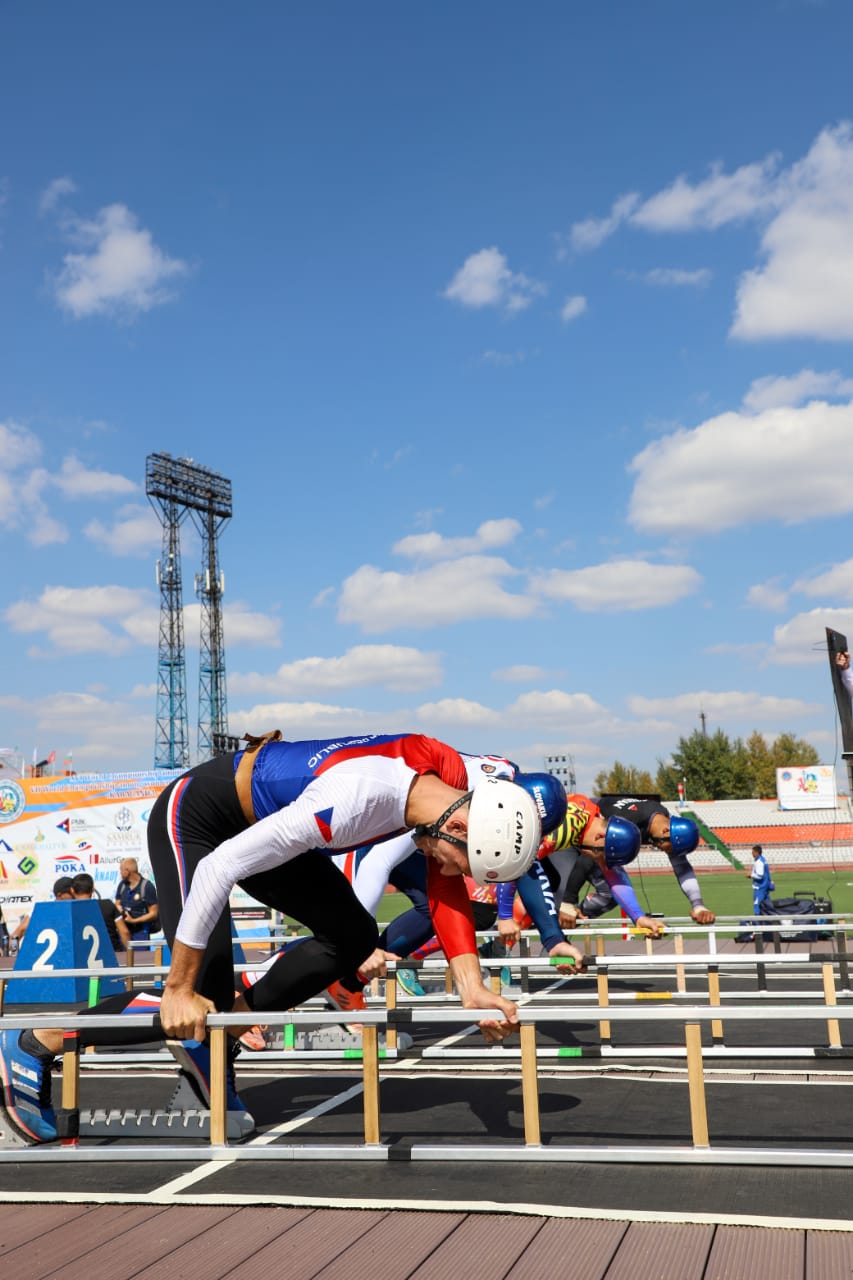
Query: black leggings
{"x": 310, "y": 888}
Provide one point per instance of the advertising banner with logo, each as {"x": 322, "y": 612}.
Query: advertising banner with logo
{"x": 811, "y": 787}
{"x": 51, "y": 827}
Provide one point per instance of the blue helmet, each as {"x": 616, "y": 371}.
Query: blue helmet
{"x": 683, "y": 834}
{"x": 621, "y": 842}
{"x": 549, "y": 795}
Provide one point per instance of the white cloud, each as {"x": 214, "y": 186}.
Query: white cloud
{"x": 768, "y": 595}
{"x": 619, "y": 584}
{"x": 592, "y": 232}
{"x": 777, "y": 392}
{"x": 432, "y": 546}
{"x": 103, "y": 734}
{"x": 455, "y": 591}
{"x": 386, "y": 665}
{"x": 805, "y": 286}
{"x": 519, "y": 674}
{"x": 556, "y": 707}
{"x": 835, "y": 582}
{"x": 573, "y": 307}
{"x": 136, "y": 530}
{"x": 54, "y": 192}
{"x": 307, "y": 719}
{"x": 79, "y": 619}
{"x": 19, "y": 447}
{"x": 802, "y": 639}
{"x": 241, "y": 625}
{"x": 723, "y": 708}
{"x": 119, "y": 270}
{"x": 110, "y": 619}
{"x": 783, "y": 464}
{"x": 485, "y": 280}
{"x": 503, "y": 359}
{"x": 716, "y": 200}
{"x": 677, "y": 278}
{"x": 458, "y": 713}
{"x": 77, "y": 481}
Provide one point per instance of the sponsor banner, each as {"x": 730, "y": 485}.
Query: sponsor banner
{"x": 52, "y": 827}
{"x": 807, "y": 787}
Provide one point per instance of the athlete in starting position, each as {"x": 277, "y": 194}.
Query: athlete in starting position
{"x": 266, "y": 818}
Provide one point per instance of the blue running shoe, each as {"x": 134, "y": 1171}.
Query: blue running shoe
{"x": 506, "y": 976}
{"x": 194, "y": 1059}
{"x": 26, "y": 1090}
{"x": 407, "y": 980}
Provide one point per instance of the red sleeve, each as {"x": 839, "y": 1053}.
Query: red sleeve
{"x": 451, "y": 912}
{"x": 428, "y": 755}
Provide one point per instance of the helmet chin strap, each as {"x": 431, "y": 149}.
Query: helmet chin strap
{"x": 434, "y": 828}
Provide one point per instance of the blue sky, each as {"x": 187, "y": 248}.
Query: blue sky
{"x": 522, "y": 332}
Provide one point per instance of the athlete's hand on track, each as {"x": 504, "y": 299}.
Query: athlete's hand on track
{"x": 376, "y": 965}
{"x": 574, "y": 957}
{"x": 652, "y": 926}
{"x": 483, "y": 998}
{"x": 509, "y": 932}
{"x": 183, "y": 1013}
{"x": 702, "y": 915}
{"x": 569, "y": 915}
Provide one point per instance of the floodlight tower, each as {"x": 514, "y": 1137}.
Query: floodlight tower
{"x": 209, "y": 513}
{"x": 171, "y": 738}
{"x": 179, "y": 486}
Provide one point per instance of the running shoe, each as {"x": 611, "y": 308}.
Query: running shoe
{"x": 194, "y": 1060}
{"x": 506, "y": 976}
{"x": 339, "y": 997}
{"x": 407, "y": 980}
{"x": 253, "y": 1039}
{"x": 26, "y": 1090}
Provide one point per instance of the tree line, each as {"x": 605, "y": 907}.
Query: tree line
{"x": 712, "y": 767}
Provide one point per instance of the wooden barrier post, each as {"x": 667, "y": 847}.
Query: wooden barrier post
{"x": 696, "y": 1084}
{"x": 68, "y": 1119}
{"x": 530, "y": 1085}
{"x": 843, "y": 968}
{"x": 218, "y": 1097}
{"x": 833, "y": 1030}
{"x": 524, "y": 954}
{"x": 714, "y": 1000}
{"x": 390, "y": 1003}
{"x": 370, "y": 1063}
{"x": 128, "y": 964}
{"x": 603, "y": 999}
{"x": 680, "y": 973}
{"x": 760, "y": 969}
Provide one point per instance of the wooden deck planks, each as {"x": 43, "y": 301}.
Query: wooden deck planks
{"x": 200, "y": 1242}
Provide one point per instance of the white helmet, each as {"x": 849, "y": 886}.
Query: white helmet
{"x": 504, "y": 831}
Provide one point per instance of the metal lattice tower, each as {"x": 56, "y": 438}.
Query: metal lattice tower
{"x": 176, "y": 487}
{"x": 210, "y": 587}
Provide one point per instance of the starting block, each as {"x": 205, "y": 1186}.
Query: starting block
{"x": 183, "y": 1118}
{"x": 63, "y": 935}
{"x": 327, "y": 1039}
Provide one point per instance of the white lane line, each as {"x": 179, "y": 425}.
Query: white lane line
{"x": 213, "y": 1166}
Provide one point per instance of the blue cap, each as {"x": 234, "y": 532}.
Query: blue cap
{"x": 621, "y": 842}
{"x": 683, "y": 834}
{"x": 549, "y": 795}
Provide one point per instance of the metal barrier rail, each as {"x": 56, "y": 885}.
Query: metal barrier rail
{"x": 372, "y": 1147}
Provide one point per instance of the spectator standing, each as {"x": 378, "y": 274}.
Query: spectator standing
{"x": 762, "y": 885}
{"x": 136, "y": 900}
{"x": 83, "y": 888}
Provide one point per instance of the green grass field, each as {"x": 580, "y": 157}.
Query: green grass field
{"x": 726, "y": 893}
